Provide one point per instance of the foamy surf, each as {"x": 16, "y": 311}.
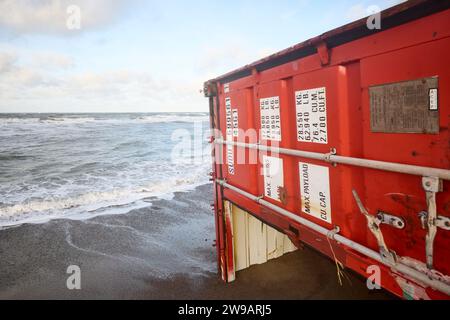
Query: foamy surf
{"x": 93, "y": 204}
{"x": 93, "y": 165}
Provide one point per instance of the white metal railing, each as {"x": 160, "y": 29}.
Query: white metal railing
{"x": 329, "y": 157}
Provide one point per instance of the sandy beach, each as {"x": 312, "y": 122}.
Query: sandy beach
{"x": 164, "y": 251}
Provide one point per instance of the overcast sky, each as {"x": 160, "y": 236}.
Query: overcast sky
{"x": 145, "y": 56}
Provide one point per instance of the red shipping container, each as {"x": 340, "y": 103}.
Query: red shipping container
{"x": 352, "y": 150}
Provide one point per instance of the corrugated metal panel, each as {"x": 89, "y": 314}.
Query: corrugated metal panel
{"x": 253, "y": 241}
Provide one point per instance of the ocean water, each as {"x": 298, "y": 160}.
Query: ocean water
{"x": 78, "y": 166}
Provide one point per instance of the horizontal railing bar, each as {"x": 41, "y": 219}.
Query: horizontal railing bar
{"x": 366, "y": 163}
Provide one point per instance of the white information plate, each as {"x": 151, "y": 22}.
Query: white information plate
{"x": 235, "y": 123}
{"x": 229, "y": 133}
{"x": 270, "y": 118}
{"x": 433, "y": 93}
{"x": 273, "y": 177}
{"x": 311, "y": 107}
{"x": 315, "y": 191}
{"x": 230, "y": 159}
{"x": 229, "y": 118}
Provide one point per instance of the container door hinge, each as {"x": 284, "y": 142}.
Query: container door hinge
{"x": 391, "y": 220}
{"x": 441, "y": 221}
{"x": 373, "y": 222}
{"x": 210, "y": 89}
{"x": 431, "y": 185}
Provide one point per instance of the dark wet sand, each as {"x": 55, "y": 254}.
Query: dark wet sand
{"x": 161, "y": 252}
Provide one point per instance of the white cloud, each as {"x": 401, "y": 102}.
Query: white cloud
{"x": 35, "y": 70}
{"x": 52, "y": 60}
{"x": 27, "y": 87}
{"x": 7, "y": 61}
{"x": 50, "y": 16}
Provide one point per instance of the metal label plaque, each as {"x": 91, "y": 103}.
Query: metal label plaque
{"x": 405, "y": 107}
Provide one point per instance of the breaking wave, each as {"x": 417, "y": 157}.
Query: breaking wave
{"x": 148, "y": 118}
{"x": 93, "y": 203}
{"x": 96, "y": 164}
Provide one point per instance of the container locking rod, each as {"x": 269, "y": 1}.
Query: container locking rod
{"x": 431, "y": 185}
{"x": 373, "y": 222}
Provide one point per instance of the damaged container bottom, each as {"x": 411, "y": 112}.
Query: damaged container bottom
{"x": 249, "y": 240}
{"x": 252, "y": 241}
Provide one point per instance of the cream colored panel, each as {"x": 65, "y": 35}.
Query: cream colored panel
{"x": 240, "y": 227}
{"x": 275, "y": 243}
{"x": 288, "y": 245}
{"x": 254, "y": 242}
{"x": 257, "y": 236}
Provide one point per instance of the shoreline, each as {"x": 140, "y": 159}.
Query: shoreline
{"x": 138, "y": 203}
{"x": 164, "y": 251}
